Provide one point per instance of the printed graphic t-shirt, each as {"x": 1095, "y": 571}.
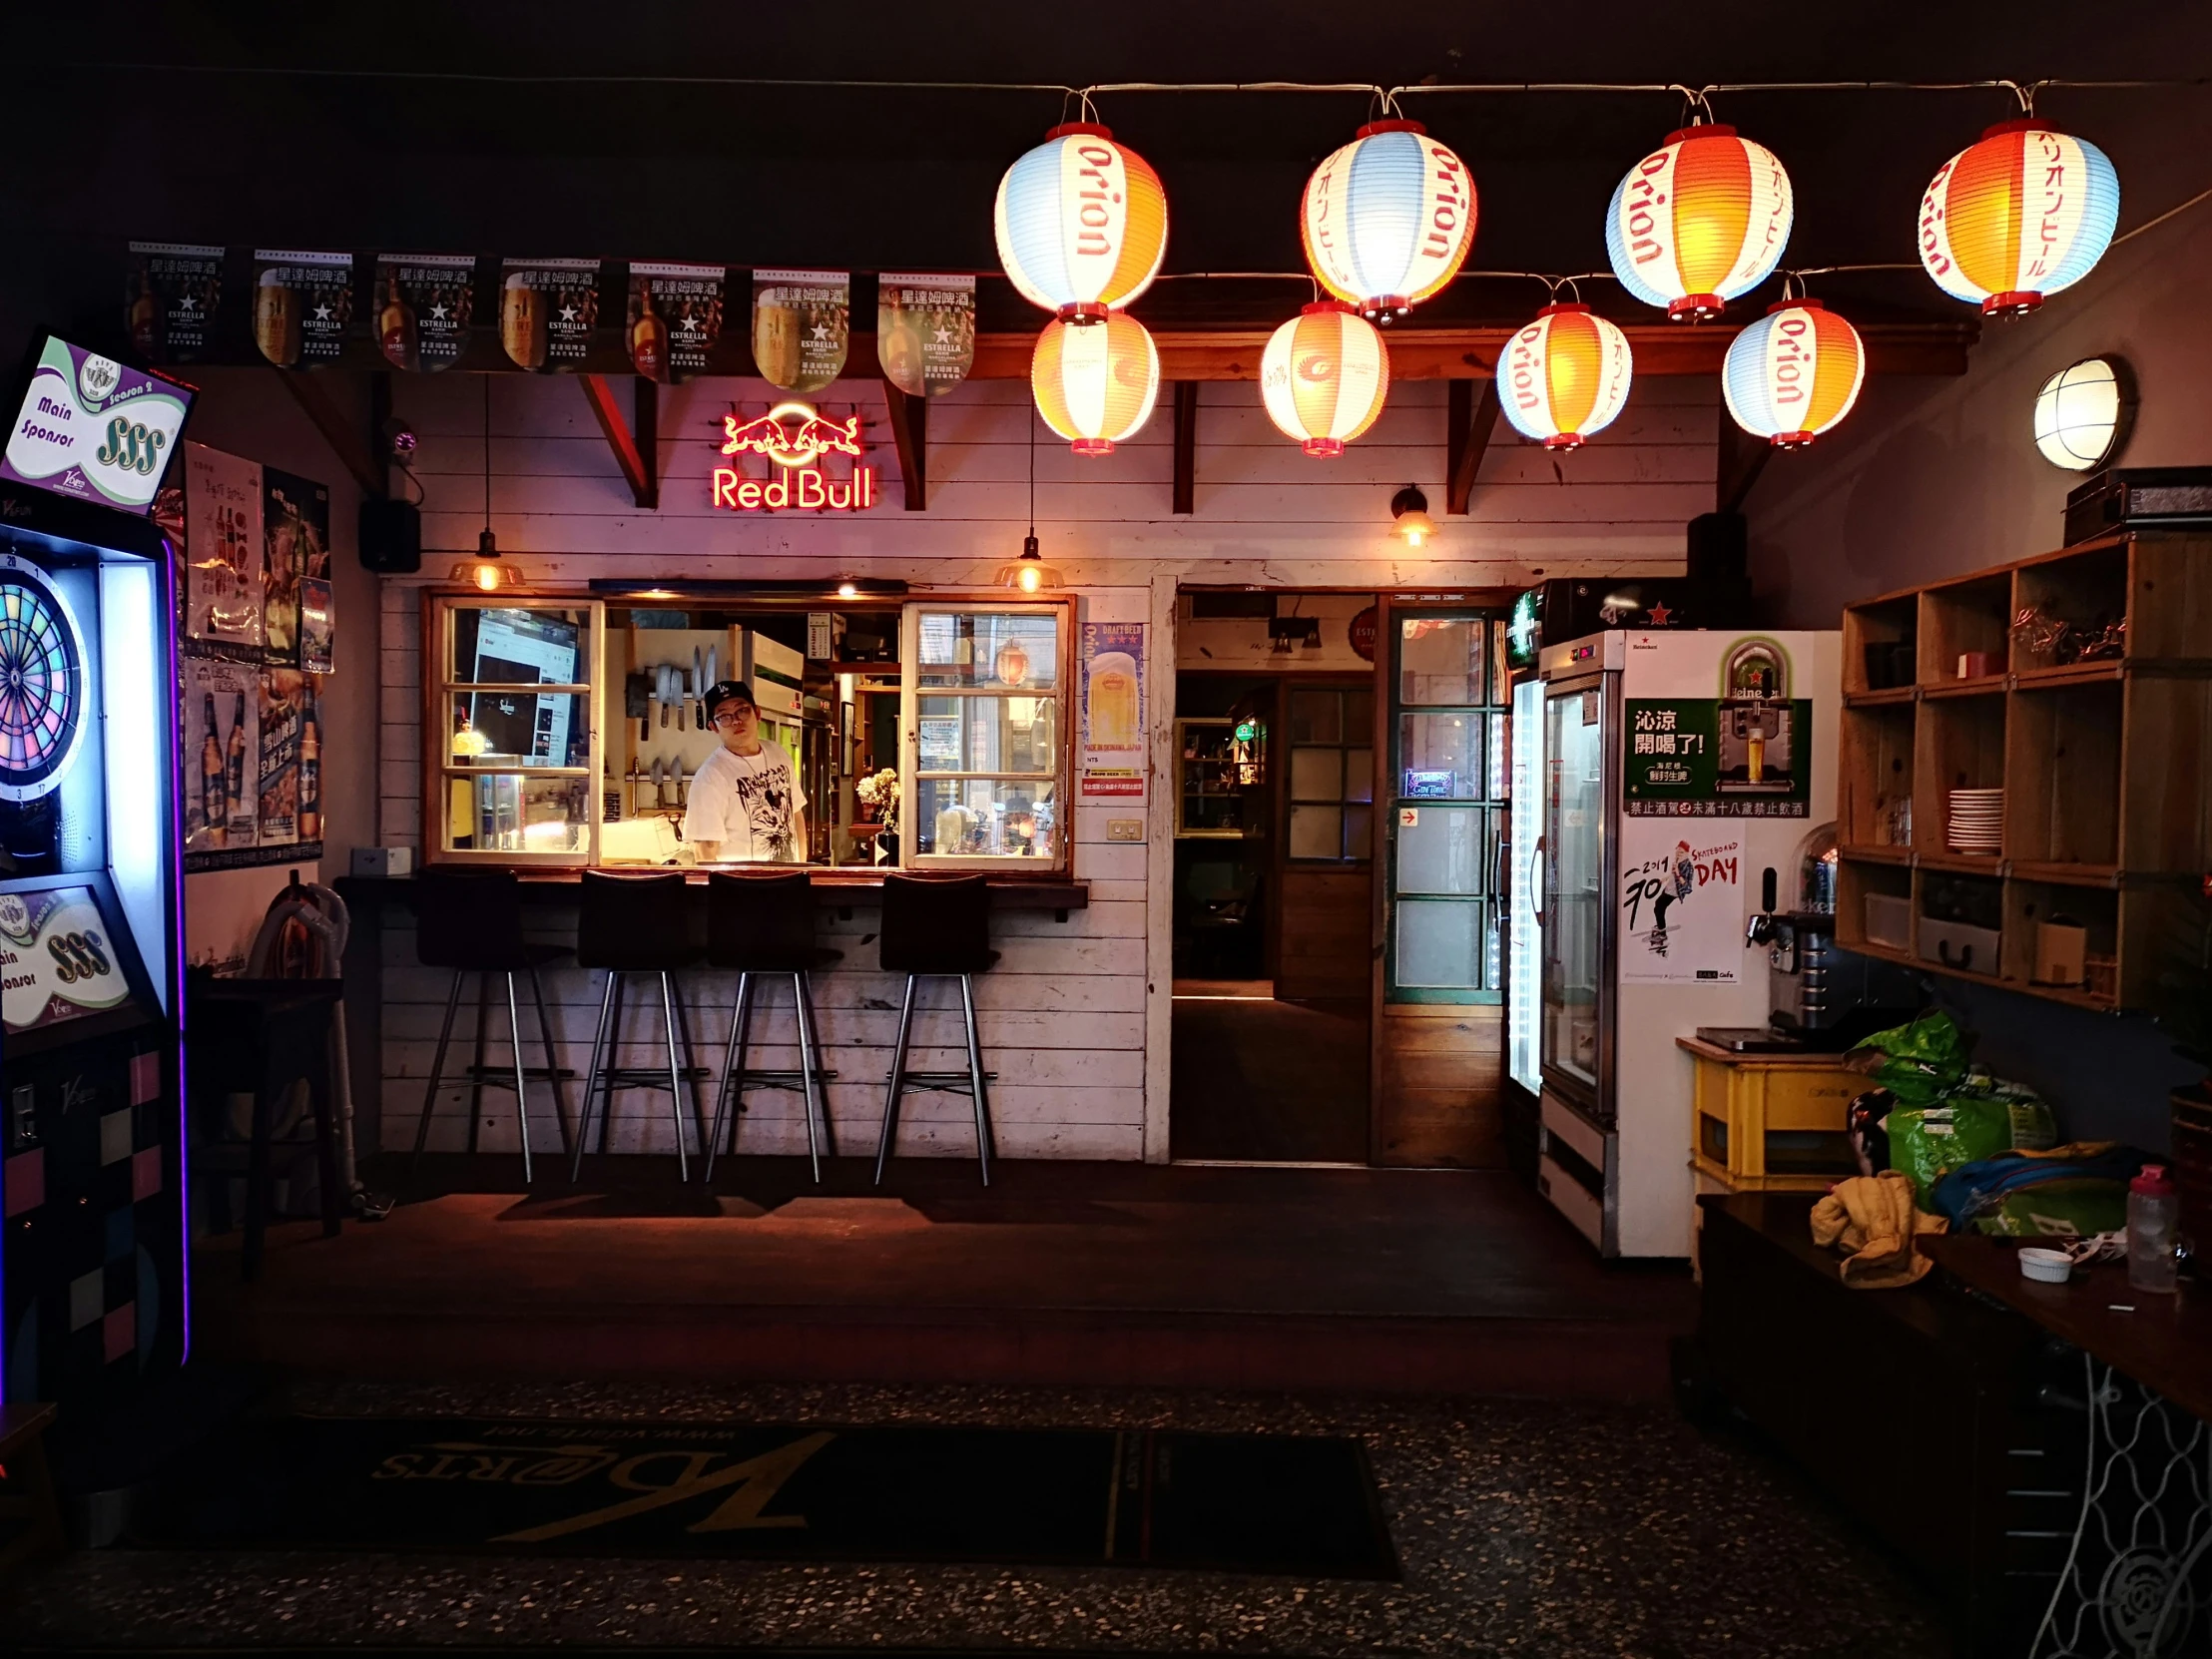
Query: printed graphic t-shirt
{"x": 746, "y": 802}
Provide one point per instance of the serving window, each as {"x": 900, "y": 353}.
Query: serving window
{"x": 514, "y": 747}
{"x": 985, "y": 756}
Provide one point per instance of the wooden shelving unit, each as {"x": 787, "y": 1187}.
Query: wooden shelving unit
{"x": 2106, "y": 766}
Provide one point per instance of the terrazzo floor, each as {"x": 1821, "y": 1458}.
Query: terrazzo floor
{"x": 1523, "y": 1527}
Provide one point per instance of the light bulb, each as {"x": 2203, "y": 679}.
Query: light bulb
{"x": 845, "y": 590}
{"x": 1031, "y": 580}
{"x": 487, "y": 577}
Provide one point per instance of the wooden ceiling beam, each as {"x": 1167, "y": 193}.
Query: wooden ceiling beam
{"x": 909, "y": 419}
{"x": 637, "y": 454}
{"x": 1471, "y": 415}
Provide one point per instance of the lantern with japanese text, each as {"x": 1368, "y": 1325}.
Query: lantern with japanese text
{"x": 1095, "y": 383}
{"x": 1699, "y": 221}
{"x": 1324, "y": 377}
{"x": 1389, "y": 218}
{"x": 1793, "y": 373}
{"x": 1564, "y": 376}
{"x": 2017, "y": 215}
{"x": 1082, "y": 223}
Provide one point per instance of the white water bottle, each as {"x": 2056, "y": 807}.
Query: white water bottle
{"x": 2152, "y": 1210}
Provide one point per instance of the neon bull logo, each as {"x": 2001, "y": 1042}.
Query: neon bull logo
{"x": 791, "y": 436}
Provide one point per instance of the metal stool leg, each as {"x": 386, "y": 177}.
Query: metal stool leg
{"x": 809, "y": 1082}
{"x": 674, "y": 1082}
{"x": 733, "y": 1076}
{"x": 829, "y": 1127}
{"x": 522, "y": 1098}
{"x": 898, "y": 1078}
{"x": 614, "y": 1056}
{"x": 437, "y": 1067}
{"x": 552, "y": 1064}
{"x": 476, "y": 1071}
{"x": 975, "y": 1080}
{"x": 691, "y": 1064}
{"x": 591, "y": 1078}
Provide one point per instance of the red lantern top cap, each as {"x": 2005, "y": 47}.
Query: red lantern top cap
{"x": 1395, "y": 124}
{"x": 1805, "y": 303}
{"x": 1079, "y": 128}
{"x": 1709, "y": 129}
{"x": 1572, "y": 308}
{"x": 2019, "y": 124}
{"x": 1322, "y": 307}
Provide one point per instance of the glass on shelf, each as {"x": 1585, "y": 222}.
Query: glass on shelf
{"x": 1000, "y": 817}
{"x": 518, "y": 812}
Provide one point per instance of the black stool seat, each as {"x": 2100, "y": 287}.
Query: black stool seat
{"x": 638, "y": 925}
{"x": 937, "y": 926}
{"x": 766, "y": 924}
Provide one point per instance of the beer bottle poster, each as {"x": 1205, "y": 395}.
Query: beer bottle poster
{"x": 423, "y": 306}
{"x": 675, "y": 319}
{"x": 317, "y": 626}
{"x": 801, "y": 321}
{"x": 303, "y": 304}
{"x": 296, "y": 522}
{"x": 222, "y": 548}
{"x": 283, "y": 703}
{"x": 222, "y": 754}
{"x": 170, "y": 300}
{"x": 1112, "y": 667}
{"x": 547, "y": 311}
{"x": 925, "y": 332}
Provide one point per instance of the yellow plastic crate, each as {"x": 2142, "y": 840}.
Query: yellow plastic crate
{"x": 1770, "y": 1122}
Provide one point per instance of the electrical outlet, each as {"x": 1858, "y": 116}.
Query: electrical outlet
{"x": 1125, "y": 828}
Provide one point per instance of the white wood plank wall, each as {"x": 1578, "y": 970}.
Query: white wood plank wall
{"x": 1065, "y": 1015}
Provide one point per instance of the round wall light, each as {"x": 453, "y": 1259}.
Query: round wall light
{"x": 2083, "y": 413}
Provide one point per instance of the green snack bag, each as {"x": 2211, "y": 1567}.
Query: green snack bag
{"x": 2071, "y": 1209}
{"x": 1929, "y": 1142}
{"x": 1919, "y": 1062}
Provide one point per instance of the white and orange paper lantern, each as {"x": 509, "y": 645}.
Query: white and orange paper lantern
{"x": 1095, "y": 383}
{"x": 1564, "y": 376}
{"x": 1081, "y": 221}
{"x": 2019, "y": 214}
{"x": 1793, "y": 373}
{"x": 1699, "y": 221}
{"x": 1324, "y": 377}
{"x": 1389, "y": 218}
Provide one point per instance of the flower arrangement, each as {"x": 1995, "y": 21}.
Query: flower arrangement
{"x": 878, "y": 792}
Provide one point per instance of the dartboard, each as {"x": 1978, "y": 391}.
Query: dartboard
{"x": 42, "y": 682}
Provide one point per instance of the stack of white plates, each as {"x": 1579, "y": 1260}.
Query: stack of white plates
{"x": 1976, "y": 822}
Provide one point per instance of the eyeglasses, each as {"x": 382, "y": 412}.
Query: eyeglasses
{"x": 735, "y": 718}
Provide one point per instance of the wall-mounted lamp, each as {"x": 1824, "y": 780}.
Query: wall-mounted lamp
{"x": 1410, "y": 509}
{"x": 2084, "y": 413}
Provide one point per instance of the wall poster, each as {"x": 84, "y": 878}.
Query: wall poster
{"x": 284, "y": 702}
{"x": 801, "y": 321}
{"x": 1704, "y": 757}
{"x": 171, "y": 298}
{"x": 675, "y": 319}
{"x": 222, "y": 548}
{"x": 423, "y": 306}
{"x": 547, "y": 311}
{"x": 296, "y": 523}
{"x": 1681, "y": 900}
{"x": 318, "y": 625}
{"x": 222, "y": 754}
{"x": 925, "y": 332}
{"x": 303, "y": 304}
{"x": 1110, "y": 662}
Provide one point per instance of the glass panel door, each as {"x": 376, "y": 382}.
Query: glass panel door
{"x": 1574, "y": 871}
{"x": 1521, "y": 1059}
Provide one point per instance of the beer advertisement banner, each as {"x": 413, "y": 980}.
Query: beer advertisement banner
{"x": 675, "y": 319}
{"x": 547, "y": 311}
{"x": 309, "y": 790}
{"x": 1112, "y": 666}
{"x": 296, "y": 523}
{"x": 925, "y": 332}
{"x": 423, "y": 306}
{"x": 303, "y": 304}
{"x": 1702, "y": 757}
{"x": 222, "y": 549}
{"x": 317, "y": 626}
{"x": 801, "y": 321}
{"x": 171, "y": 298}
{"x": 282, "y": 709}
{"x": 222, "y": 750}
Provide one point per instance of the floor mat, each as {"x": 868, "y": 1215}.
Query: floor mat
{"x": 1253, "y": 1504}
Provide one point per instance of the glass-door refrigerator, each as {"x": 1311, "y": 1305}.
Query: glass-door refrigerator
{"x": 1523, "y": 1052}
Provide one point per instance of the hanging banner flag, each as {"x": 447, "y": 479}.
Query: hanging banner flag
{"x": 222, "y": 547}
{"x": 675, "y": 319}
{"x": 925, "y": 332}
{"x": 170, "y": 300}
{"x": 801, "y": 321}
{"x": 547, "y": 311}
{"x": 423, "y": 306}
{"x": 301, "y": 306}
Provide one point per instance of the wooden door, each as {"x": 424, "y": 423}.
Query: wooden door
{"x": 1323, "y": 759}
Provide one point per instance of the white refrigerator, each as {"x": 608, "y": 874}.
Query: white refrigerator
{"x": 1676, "y": 767}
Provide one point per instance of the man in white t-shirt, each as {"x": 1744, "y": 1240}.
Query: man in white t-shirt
{"x": 746, "y": 806}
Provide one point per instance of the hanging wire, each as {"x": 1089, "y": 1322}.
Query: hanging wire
{"x": 487, "y": 454}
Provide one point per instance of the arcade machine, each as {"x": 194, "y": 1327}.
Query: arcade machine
{"x": 93, "y": 1251}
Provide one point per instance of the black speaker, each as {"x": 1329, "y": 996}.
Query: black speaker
{"x": 391, "y": 537}
{"x": 1717, "y": 548}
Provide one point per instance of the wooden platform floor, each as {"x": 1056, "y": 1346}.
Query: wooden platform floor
{"x": 1069, "y": 1274}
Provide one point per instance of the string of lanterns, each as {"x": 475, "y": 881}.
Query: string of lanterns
{"x": 1388, "y": 221}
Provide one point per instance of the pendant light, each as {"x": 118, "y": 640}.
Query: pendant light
{"x": 1564, "y": 376}
{"x": 1698, "y": 221}
{"x": 1388, "y": 220}
{"x": 1081, "y": 223}
{"x": 1029, "y": 573}
{"x": 1793, "y": 373}
{"x": 485, "y": 572}
{"x": 2021, "y": 214}
{"x": 1324, "y": 377}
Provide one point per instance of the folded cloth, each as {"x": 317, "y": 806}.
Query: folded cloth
{"x": 1872, "y": 1220}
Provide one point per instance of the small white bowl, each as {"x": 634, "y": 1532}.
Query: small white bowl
{"x": 2050, "y": 1266}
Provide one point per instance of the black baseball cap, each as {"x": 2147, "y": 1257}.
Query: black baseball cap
{"x": 721, "y": 691}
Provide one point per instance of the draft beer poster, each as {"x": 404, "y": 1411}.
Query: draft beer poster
{"x": 1112, "y": 663}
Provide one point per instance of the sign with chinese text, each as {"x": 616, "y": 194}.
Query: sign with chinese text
{"x": 1747, "y": 757}
{"x": 547, "y": 310}
{"x": 423, "y": 306}
{"x": 801, "y": 321}
{"x": 222, "y": 548}
{"x": 171, "y": 298}
{"x": 1111, "y": 661}
{"x": 303, "y": 304}
{"x": 924, "y": 332}
{"x": 675, "y": 319}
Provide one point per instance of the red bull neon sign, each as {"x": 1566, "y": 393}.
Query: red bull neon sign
{"x": 794, "y": 437}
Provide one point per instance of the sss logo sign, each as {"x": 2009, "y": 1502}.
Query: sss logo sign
{"x": 92, "y": 428}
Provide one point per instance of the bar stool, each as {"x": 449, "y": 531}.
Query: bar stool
{"x": 937, "y": 926}
{"x": 760, "y": 924}
{"x": 470, "y": 920}
{"x": 636, "y": 925}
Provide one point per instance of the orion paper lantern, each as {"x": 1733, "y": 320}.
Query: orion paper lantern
{"x": 1700, "y": 220}
{"x": 1388, "y": 220}
{"x": 2083, "y": 414}
{"x": 1564, "y": 376}
{"x": 1082, "y": 223}
{"x": 1793, "y": 373}
{"x": 1095, "y": 383}
{"x": 2021, "y": 214}
{"x": 1324, "y": 377}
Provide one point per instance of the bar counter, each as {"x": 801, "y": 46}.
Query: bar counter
{"x": 843, "y": 889}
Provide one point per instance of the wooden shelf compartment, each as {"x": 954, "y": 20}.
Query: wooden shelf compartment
{"x": 1877, "y": 746}
{"x": 1877, "y": 699}
{"x": 1856, "y": 878}
{"x": 2063, "y": 775}
{"x": 1958, "y": 743}
{"x": 2030, "y": 904}
{"x": 2163, "y": 745}
{"x": 1974, "y": 612}
{"x": 2169, "y": 598}
{"x": 1939, "y": 899}
{"x": 1870, "y": 629}
{"x": 2088, "y": 587}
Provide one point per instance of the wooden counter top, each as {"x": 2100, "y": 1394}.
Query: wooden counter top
{"x": 1798, "y": 1061}
{"x": 846, "y": 886}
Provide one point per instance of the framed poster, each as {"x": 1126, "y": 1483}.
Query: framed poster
{"x": 222, "y": 548}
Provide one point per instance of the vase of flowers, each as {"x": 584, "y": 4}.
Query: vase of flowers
{"x": 878, "y": 793}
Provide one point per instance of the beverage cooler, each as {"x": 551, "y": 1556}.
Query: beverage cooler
{"x": 1675, "y": 767}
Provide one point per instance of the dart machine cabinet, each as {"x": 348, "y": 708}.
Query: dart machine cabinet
{"x": 93, "y": 1253}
